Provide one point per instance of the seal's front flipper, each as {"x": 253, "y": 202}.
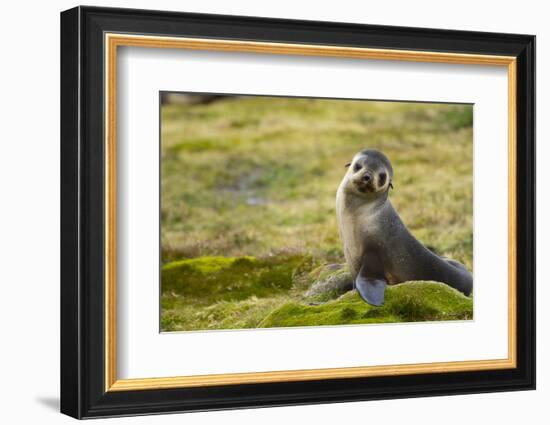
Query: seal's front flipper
{"x": 371, "y": 290}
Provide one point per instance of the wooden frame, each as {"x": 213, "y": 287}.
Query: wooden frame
{"x": 90, "y": 37}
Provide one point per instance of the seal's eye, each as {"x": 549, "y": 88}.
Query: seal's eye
{"x": 382, "y": 178}
{"x": 356, "y": 167}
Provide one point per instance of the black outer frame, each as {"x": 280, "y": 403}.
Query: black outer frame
{"x": 82, "y": 214}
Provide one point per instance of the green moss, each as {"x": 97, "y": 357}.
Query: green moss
{"x": 221, "y": 315}
{"x": 407, "y": 302}
{"x": 288, "y": 290}
{"x": 203, "y": 264}
{"x": 208, "y": 280}
{"x": 348, "y": 314}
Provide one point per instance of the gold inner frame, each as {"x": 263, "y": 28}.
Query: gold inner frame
{"x": 113, "y": 41}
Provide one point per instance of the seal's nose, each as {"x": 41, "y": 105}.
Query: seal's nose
{"x": 366, "y": 177}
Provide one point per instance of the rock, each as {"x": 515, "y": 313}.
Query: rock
{"x": 331, "y": 281}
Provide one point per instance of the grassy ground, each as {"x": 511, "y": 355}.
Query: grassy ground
{"x": 248, "y": 187}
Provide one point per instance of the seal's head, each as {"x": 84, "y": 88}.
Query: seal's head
{"x": 370, "y": 173}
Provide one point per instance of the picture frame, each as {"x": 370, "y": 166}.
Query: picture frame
{"x": 90, "y": 40}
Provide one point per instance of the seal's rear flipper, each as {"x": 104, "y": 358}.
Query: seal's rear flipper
{"x": 371, "y": 290}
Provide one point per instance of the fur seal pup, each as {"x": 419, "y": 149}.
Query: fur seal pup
{"x": 378, "y": 247}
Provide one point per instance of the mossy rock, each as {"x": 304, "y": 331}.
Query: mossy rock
{"x": 329, "y": 282}
{"x": 288, "y": 290}
{"x": 406, "y": 302}
{"x": 207, "y": 280}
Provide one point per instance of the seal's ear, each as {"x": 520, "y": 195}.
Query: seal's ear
{"x": 348, "y": 164}
{"x": 391, "y": 184}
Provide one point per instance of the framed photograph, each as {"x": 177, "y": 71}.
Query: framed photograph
{"x": 261, "y": 212}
